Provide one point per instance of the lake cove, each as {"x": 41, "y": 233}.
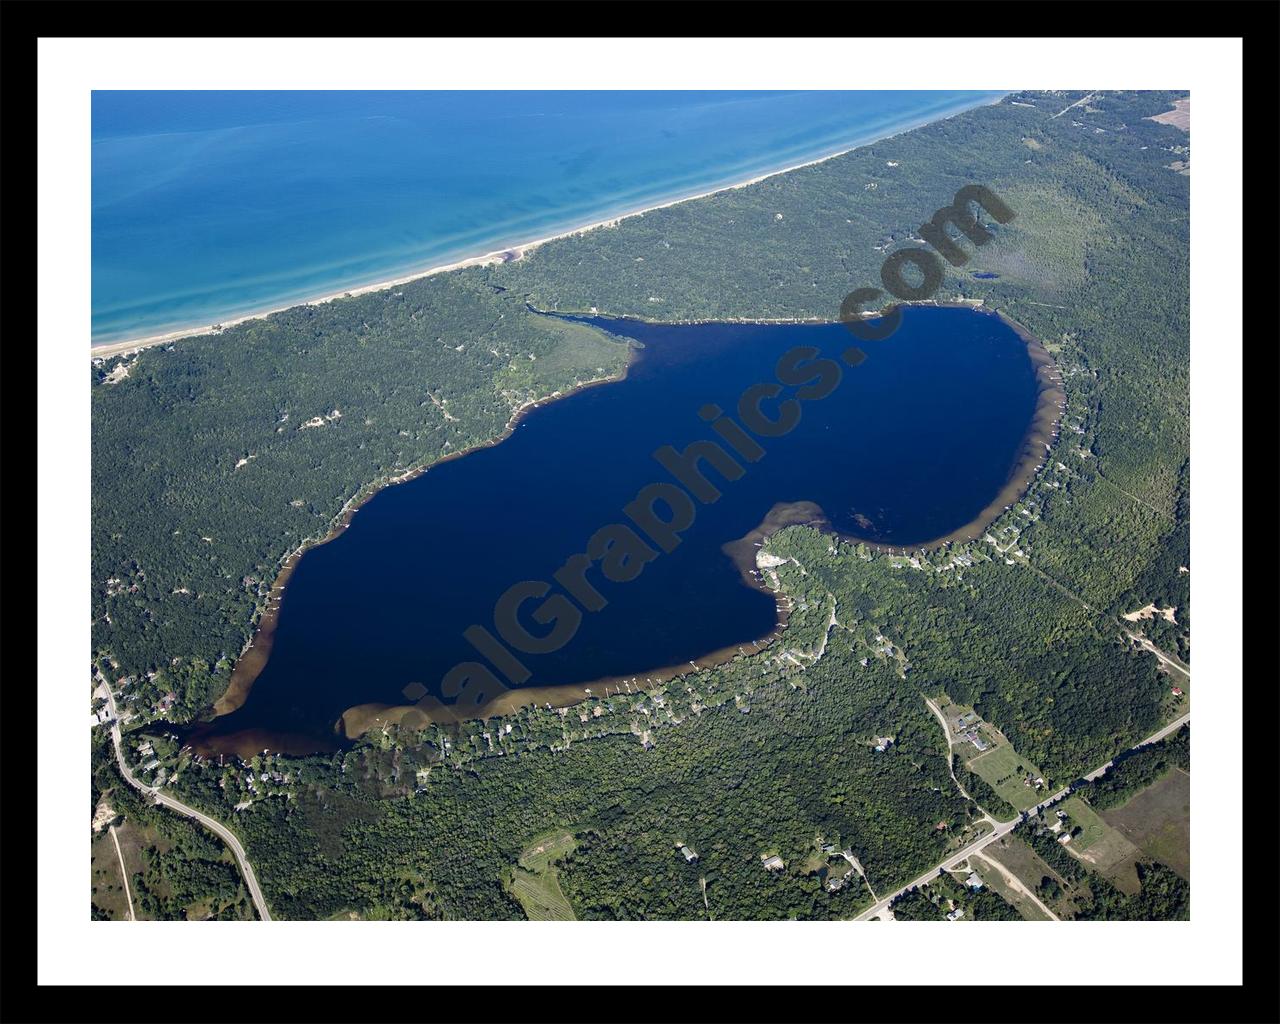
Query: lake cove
{"x": 926, "y": 439}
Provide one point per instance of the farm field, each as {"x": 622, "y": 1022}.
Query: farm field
{"x": 534, "y": 881}
{"x": 1158, "y": 821}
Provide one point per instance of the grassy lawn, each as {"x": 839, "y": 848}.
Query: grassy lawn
{"x": 1095, "y": 829}
{"x": 1158, "y": 821}
{"x": 999, "y": 768}
{"x": 534, "y": 881}
{"x": 1102, "y": 847}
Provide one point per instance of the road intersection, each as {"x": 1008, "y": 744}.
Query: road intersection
{"x": 1003, "y": 828}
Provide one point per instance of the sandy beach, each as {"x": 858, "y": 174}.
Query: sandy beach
{"x": 503, "y": 254}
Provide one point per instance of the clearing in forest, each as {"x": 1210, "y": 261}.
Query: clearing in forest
{"x": 534, "y": 881}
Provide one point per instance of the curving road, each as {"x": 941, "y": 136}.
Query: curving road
{"x": 1003, "y": 828}
{"x": 212, "y": 824}
{"x": 1000, "y": 828}
{"x": 951, "y": 767}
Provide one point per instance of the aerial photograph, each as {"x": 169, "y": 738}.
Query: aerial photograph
{"x": 640, "y": 506}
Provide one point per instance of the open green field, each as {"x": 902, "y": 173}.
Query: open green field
{"x": 1158, "y": 821}
{"x": 1102, "y": 847}
{"x": 540, "y": 895}
{"x": 534, "y": 881}
{"x": 1003, "y": 769}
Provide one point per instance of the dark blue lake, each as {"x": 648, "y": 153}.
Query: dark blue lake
{"x": 913, "y": 444}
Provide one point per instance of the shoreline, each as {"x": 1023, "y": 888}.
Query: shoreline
{"x": 430, "y": 710}
{"x": 1041, "y": 432}
{"x": 503, "y": 254}
{"x": 257, "y": 652}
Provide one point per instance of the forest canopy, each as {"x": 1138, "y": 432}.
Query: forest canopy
{"x": 214, "y": 458}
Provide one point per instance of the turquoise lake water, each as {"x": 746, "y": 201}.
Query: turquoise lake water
{"x": 211, "y": 204}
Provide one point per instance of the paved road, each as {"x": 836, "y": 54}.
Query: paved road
{"x": 1003, "y": 828}
{"x": 213, "y": 825}
{"x": 1172, "y": 727}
